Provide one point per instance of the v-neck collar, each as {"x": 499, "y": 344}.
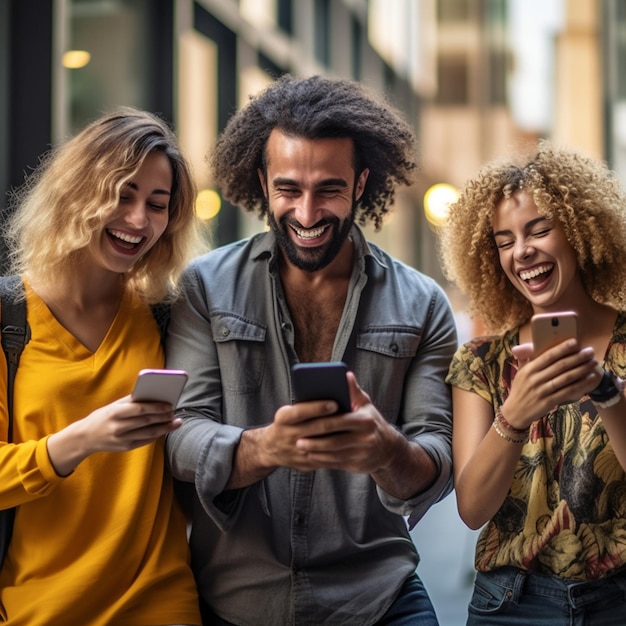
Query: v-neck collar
{"x": 37, "y": 307}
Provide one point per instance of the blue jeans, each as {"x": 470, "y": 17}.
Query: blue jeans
{"x": 412, "y": 607}
{"x": 515, "y": 597}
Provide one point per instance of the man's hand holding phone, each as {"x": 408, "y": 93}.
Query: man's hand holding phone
{"x": 310, "y": 434}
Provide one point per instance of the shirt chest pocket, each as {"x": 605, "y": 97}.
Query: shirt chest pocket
{"x": 240, "y": 345}
{"x": 384, "y": 355}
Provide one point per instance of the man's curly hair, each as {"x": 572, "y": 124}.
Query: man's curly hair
{"x": 581, "y": 193}
{"x": 316, "y": 108}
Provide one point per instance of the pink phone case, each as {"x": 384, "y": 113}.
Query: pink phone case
{"x": 159, "y": 386}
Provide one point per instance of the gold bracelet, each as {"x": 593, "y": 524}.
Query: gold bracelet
{"x": 518, "y": 431}
{"x": 505, "y": 436}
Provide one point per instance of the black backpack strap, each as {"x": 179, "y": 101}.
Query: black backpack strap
{"x": 15, "y": 334}
{"x": 161, "y": 314}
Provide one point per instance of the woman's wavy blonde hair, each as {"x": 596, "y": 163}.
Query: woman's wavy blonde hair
{"x": 581, "y": 193}
{"x": 66, "y": 202}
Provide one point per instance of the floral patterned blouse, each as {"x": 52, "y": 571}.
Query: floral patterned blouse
{"x": 565, "y": 513}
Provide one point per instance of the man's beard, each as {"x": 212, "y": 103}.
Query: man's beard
{"x": 311, "y": 259}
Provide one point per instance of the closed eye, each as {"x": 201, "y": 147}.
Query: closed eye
{"x": 504, "y": 244}
{"x": 288, "y": 191}
{"x": 157, "y": 206}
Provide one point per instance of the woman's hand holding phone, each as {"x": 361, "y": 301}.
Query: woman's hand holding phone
{"x": 551, "y": 372}
{"x": 128, "y": 423}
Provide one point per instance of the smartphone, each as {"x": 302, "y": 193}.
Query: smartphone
{"x": 321, "y": 381}
{"x": 159, "y": 386}
{"x": 550, "y": 329}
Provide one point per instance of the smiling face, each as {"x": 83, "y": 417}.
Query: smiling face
{"x": 140, "y": 218}
{"x": 311, "y": 193}
{"x": 535, "y": 254}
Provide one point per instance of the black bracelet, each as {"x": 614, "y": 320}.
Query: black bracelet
{"x": 607, "y": 390}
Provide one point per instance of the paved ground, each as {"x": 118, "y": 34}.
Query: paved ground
{"x": 446, "y": 547}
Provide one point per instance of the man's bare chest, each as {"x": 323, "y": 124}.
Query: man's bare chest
{"x": 316, "y": 322}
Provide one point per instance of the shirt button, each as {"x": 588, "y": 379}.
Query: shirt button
{"x": 394, "y": 348}
{"x": 225, "y": 331}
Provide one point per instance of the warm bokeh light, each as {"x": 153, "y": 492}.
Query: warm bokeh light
{"x": 437, "y": 199}
{"x": 208, "y": 204}
{"x": 75, "y": 59}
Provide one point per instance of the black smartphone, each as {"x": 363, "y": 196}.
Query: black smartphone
{"x": 321, "y": 381}
{"x": 154, "y": 385}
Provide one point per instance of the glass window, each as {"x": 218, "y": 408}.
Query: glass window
{"x": 357, "y": 47}
{"x": 453, "y": 10}
{"x": 321, "y": 31}
{"x": 452, "y": 74}
{"x": 115, "y": 34}
{"x": 285, "y": 16}
{"x": 498, "y": 62}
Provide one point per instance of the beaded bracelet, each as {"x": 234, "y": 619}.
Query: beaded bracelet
{"x": 505, "y": 436}
{"x": 518, "y": 431}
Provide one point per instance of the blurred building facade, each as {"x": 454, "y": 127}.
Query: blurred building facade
{"x": 463, "y": 72}
{"x": 64, "y": 62}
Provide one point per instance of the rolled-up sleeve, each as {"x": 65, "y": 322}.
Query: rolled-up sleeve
{"x": 202, "y": 449}
{"x": 426, "y": 416}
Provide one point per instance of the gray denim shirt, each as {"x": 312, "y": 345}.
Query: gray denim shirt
{"x": 303, "y": 548}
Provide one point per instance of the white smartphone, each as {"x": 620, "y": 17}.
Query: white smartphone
{"x": 159, "y": 386}
{"x": 550, "y": 329}
{"x": 321, "y": 381}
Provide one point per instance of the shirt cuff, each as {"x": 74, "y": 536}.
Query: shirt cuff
{"x": 415, "y": 508}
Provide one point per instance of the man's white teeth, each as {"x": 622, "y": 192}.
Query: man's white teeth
{"x": 542, "y": 269}
{"x": 134, "y": 239}
{"x": 309, "y": 233}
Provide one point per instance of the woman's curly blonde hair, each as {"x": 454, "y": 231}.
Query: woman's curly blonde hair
{"x": 581, "y": 193}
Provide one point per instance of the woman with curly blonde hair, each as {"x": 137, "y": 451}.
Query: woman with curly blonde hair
{"x": 102, "y": 230}
{"x": 539, "y": 438}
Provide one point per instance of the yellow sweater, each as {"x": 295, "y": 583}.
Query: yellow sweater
{"x": 105, "y": 545}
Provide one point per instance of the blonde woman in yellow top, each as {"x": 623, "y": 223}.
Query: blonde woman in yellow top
{"x": 101, "y": 231}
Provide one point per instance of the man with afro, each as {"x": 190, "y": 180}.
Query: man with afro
{"x": 299, "y": 512}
